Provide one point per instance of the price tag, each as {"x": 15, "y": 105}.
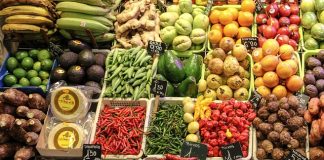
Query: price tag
{"x": 158, "y": 87}
{"x": 232, "y": 151}
{"x": 255, "y": 98}
{"x": 192, "y": 149}
{"x": 259, "y": 6}
{"x": 209, "y": 6}
{"x": 155, "y": 47}
{"x": 91, "y": 152}
{"x": 55, "y": 49}
{"x": 250, "y": 42}
{"x": 294, "y": 155}
{"x": 303, "y": 99}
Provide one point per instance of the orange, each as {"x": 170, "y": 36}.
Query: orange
{"x": 293, "y": 65}
{"x": 245, "y": 19}
{"x": 263, "y": 90}
{"x": 270, "y": 47}
{"x": 284, "y": 70}
{"x": 225, "y": 17}
{"x": 269, "y": 63}
{"x": 234, "y": 12}
{"x": 244, "y": 32}
{"x": 257, "y": 55}
{"x": 294, "y": 83}
{"x": 214, "y": 16}
{"x": 258, "y": 82}
{"x": 217, "y": 26}
{"x": 215, "y": 36}
{"x": 230, "y": 30}
{"x": 234, "y": 22}
{"x": 257, "y": 69}
{"x": 270, "y": 79}
{"x": 280, "y": 91}
{"x": 248, "y": 6}
{"x": 286, "y": 51}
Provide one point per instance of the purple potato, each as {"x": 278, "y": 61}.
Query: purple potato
{"x": 318, "y": 72}
{"x": 312, "y": 62}
{"x": 311, "y": 91}
{"x": 309, "y": 79}
{"x": 320, "y": 85}
{"x": 309, "y": 72}
{"x": 320, "y": 55}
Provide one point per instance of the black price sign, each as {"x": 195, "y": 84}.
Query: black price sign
{"x": 294, "y": 155}
{"x": 192, "y": 149}
{"x": 250, "y": 42}
{"x": 91, "y": 152}
{"x": 232, "y": 151}
{"x": 158, "y": 87}
{"x": 155, "y": 47}
{"x": 303, "y": 99}
{"x": 259, "y": 6}
{"x": 55, "y": 49}
{"x": 255, "y": 98}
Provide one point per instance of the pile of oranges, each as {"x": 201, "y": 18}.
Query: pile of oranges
{"x": 231, "y": 23}
{"x": 275, "y": 68}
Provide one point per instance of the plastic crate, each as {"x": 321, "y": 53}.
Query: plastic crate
{"x": 224, "y": 7}
{"x": 117, "y": 104}
{"x": 249, "y": 58}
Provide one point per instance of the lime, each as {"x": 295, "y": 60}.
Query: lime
{"x": 35, "y": 81}
{"x": 31, "y": 74}
{"x": 19, "y": 72}
{"x": 43, "y": 87}
{"x": 20, "y": 55}
{"x": 43, "y": 54}
{"x": 24, "y": 82}
{"x": 46, "y": 64}
{"x": 17, "y": 85}
{"x": 12, "y": 63}
{"x": 33, "y": 53}
{"x": 43, "y": 74}
{"x": 9, "y": 80}
{"x": 27, "y": 63}
{"x": 37, "y": 66}
{"x": 44, "y": 82}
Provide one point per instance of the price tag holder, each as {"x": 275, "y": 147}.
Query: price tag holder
{"x": 303, "y": 99}
{"x": 55, "y": 49}
{"x": 155, "y": 47}
{"x": 294, "y": 155}
{"x": 158, "y": 87}
{"x": 255, "y": 98}
{"x": 232, "y": 151}
{"x": 250, "y": 42}
{"x": 259, "y": 6}
{"x": 192, "y": 149}
{"x": 91, "y": 152}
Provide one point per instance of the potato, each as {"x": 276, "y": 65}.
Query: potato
{"x": 295, "y": 123}
{"x": 265, "y": 128}
{"x": 313, "y": 106}
{"x": 316, "y": 153}
{"x": 308, "y": 117}
{"x": 267, "y": 146}
{"x": 277, "y": 154}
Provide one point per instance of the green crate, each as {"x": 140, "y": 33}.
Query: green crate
{"x": 224, "y": 7}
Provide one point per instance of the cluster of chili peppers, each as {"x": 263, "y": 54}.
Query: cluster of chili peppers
{"x": 120, "y": 130}
{"x": 229, "y": 123}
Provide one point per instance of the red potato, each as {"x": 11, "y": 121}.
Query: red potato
{"x": 321, "y": 103}
{"x": 313, "y": 106}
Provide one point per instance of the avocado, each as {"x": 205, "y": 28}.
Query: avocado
{"x": 93, "y": 84}
{"x": 68, "y": 59}
{"x": 58, "y": 74}
{"x": 100, "y": 59}
{"x": 75, "y": 74}
{"x": 95, "y": 73}
{"x": 187, "y": 88}
{"x": 77, "y": 46}
{"x": 86, "y": 58}
{"x": 174, "y": 70}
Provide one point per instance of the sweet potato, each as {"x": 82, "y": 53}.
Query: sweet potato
{"x": 24, "y": 153}
{"x": 4, "y": 137}
{"x": 316, "y": 153}
{"x": 313, "y": 141}
{"x": 313, "y": 106}
{"x": 6, "y": 121}
{"x": 15, "y": 97}
{"x": 321, "y": 103}
{"x": 37, "y": 114}
{"x": 36, "y": 101}
{"x": 321, "y": 125}
{"x": 308, "y": 117}
{"x": 8, "y": 149}
{"x": 315, "y": 129}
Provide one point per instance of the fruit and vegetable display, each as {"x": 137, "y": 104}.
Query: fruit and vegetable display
{"x": 80, "y": 66}
{"x": 129, "y": 73}
{"x": 27, "y": 16}
{"x": 21, "y": 120}
{"x": 313, "y": 24}
{"x": 137, "y": 24}
{"x": 231, "y": 24}
{"x": 79, "y": 19}
{"x": 184, "y": 26}
{"x": 280, "y": 127}
{"x": 228, "y": 73}
{"x": 181, "y": 76}
{"x": 276, "y": 69}
{"x": 28, "y": 68}
{"x": 313, "y": 79}
{"x": 188, "y": 117}
{"x": 280, "y": 22}
{"x": 120, "y": 130}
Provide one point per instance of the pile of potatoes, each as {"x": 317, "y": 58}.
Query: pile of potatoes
{"x": 227, "y": 74}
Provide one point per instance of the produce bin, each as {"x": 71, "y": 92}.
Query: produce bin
{"x": 305, "y": 56}
{"x": 224, "y": 7}
{"x": 122, "y": 103}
